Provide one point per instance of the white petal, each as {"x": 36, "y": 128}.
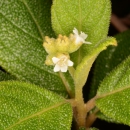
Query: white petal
{"x": 78, "y": 39}
{"x": 55, "y": 60}
{"x": 75, "y": 31}
{"x": 87, "y": 42}
{"x": 83, "y": 35}
{"x": 57, "y": 68}
{"x": 70, "y": 63}
{"x": 64, "y": 68}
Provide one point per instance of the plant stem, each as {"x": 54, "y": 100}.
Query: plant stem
{"x": 67, "y": 85}
{"x": 90, "y": 119}
{"x": 71, "y": 71}
{"x": 79, "y": 95}
{"x": 81, "y": 113}
{"x": 82, "y": 109}
{"x": 90, "y": 104}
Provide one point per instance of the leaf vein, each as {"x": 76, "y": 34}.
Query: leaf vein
{"x": 113, "y": 92}
{"x": 35, "y": 114}
{"x": 20, "y": 28}
{"x": 34, "y": 19}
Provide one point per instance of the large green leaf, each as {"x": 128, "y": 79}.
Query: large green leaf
{"x": 109, "y": 59}
{"x": 25, "y": 106}
{"x": 23, "y": 25}
{"x": 89, "y": 16}
{"x": 113, "y": 96}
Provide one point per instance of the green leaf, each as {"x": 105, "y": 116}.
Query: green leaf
{"x": 23, "y": 25}
{"x": 89, "y": 16}
{"x": 5, "y": 76}
{"x": 113, "y": 96}
{"x": 103, "y": 117}
{"x": 84, "y": 67}
{"x": 109, "y": 59}
{"x": 83, "y": 15}
{"x": 26, "y": 106}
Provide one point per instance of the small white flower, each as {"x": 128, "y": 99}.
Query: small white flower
{"x": 62, "y": 63}
{"x": 80, "y": 37}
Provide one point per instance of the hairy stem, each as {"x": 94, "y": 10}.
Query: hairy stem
{"x": 90, "y": 119}
{"x": 80, "y": 111}
{"x": 90, "y": 104}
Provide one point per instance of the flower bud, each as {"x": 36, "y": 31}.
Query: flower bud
{"x": 49, "y": 45}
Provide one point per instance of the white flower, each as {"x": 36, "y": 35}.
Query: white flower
{"x": 62, "y": 63}
{"x": 80, "y": 37}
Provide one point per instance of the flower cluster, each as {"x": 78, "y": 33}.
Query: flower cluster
{"x": 60, "y": 48}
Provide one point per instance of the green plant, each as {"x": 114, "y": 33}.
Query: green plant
{"x": 32, "y": 94}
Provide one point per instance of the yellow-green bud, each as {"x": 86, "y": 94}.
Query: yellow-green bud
{"x": 49, "y": 59}
{"x": 49, "y": 45}
{"x": 62, "y": 43}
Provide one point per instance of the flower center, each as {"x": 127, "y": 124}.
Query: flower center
{"x": 63, "y": 61}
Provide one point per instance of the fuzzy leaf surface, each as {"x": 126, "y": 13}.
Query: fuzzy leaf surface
{"x": 82, "y": 71}
{"x": 109, "y": 59}
{"x": 83, "y": 15}
{"x": 26, "y": 106}
{"x": 113, "y": 95}
{"x": 101, "y": 116}
{"x": 23, "y": 25}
